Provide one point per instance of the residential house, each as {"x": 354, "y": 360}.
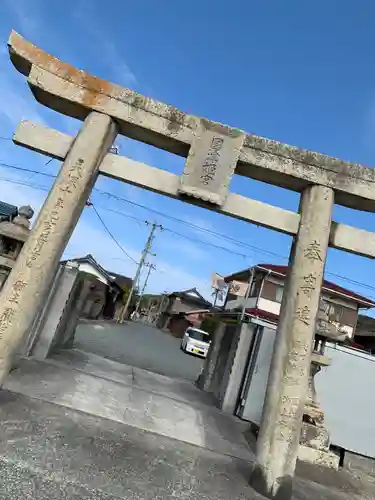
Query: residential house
{"x": 114, "y": 309}
{"x": 104, "y": 297}
{"x": 339, "y": 306}
{"x": 175, "y": 307}
{"x": 236, "y": 371}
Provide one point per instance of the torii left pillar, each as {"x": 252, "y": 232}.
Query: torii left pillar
{"x": 32, "y": 275}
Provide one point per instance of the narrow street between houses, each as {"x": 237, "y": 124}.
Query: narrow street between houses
{"x": 139, "y": 345}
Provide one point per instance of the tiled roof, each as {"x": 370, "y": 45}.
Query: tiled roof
{"x": 7, "y": 210}
{"x": 193, "y": 295}
{"x": 121, "y": 280}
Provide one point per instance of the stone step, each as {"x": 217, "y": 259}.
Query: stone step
{"x": 180, "y": 390}
{"x": 198, "y": 425}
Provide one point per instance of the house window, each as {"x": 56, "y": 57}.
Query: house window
{"x": 269, "y": 290}
{"x": 338, "y": 313}
{"x": 272, "y": 291}
{"x": 349, "y": 316}
{"x": 279, "y": 294}
{"x": 335, "y": 312}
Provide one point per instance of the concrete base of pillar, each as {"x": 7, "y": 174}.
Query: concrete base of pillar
{"x": 318, "y": 457}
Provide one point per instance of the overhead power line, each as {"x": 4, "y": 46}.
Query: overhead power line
{"x": 338, "y": 276}
{"x": 111, "y": 235}
{"x": 162, "y": 214}
{"x": 181, "y": 221}
{"x": 196, "y": 240}
{"x": 193, "y": 226}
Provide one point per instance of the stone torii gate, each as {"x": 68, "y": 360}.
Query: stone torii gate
{"x": 214, "y": 153}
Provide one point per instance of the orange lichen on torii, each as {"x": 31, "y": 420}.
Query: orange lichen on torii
{"x": 24, "y": 55}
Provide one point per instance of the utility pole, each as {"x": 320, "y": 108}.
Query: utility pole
{"x": 146, "y": 250}
{"x": 151, "y": 267}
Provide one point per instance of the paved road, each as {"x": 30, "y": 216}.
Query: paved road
{"x": 53, "y": 453}
{"x": 138, "y": 345}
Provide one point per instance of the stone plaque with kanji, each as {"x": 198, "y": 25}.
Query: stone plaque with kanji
{"x": 211, "y": 162}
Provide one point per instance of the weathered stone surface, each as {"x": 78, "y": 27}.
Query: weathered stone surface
{"x": 43, "y": 139}
{"x": 278, "y": 439}
{"x": 75, "y": 92}
{"x": 314, "y": 436}
{"x": 318, "y": 457}
{"x": 36, "y": 265}
{"x": 211, "y": 162}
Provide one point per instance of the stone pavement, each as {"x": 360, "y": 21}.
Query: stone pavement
{"x": 139, "y": 345}
{"x": 129, "y": 395}
{"x": 50, "y": 452}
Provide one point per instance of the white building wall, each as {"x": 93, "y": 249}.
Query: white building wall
{"x": 88, "y": 268}
{"x": 269, "y": 306}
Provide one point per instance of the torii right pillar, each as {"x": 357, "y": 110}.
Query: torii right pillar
{"x": 278, "y": 440}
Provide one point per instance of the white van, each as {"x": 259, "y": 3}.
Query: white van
{"x": 196, "y": 342}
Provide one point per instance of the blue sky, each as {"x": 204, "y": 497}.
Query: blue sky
{"x": 298, "y": 72}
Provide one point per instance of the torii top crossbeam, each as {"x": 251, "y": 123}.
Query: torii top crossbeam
{"x": 75, "y": 93}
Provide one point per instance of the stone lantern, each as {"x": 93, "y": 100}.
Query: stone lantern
{"x": 315, "y": 440}
{"x": 13, "y": 235}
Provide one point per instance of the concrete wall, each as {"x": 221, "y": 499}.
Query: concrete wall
{"x": 346, "y": 394}
{"x": 236, "y": 367}
{"x": 221, "y": 360}
{"x": 59, "y": 320}
{"x": 226, "y": 363}
{"x": 55, "y": 324}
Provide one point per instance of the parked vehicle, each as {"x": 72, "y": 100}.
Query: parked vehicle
{"x": 196, "y": 342}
